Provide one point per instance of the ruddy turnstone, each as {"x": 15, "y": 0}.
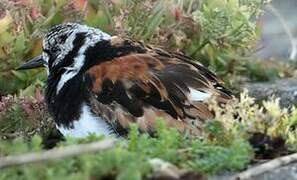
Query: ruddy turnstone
{"x": 99, "y": 84}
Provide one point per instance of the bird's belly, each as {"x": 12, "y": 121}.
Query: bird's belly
{"x": 87, "y": 124}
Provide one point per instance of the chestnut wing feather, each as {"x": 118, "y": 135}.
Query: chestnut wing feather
{"x": 139, "y": 87}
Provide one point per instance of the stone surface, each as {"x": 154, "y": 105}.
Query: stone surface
{"x": 285, "y": 89}
{"x": 288, "y": 172}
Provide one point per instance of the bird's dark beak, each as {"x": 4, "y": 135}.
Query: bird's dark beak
{"x": 35, "y": 62}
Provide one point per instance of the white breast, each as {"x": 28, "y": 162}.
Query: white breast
{"x": 87, "y": 123}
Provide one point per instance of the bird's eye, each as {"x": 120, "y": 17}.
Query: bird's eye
{"x": 63, "y": 38}
{"x": 54, "y": 49}
{"x": 45, "y": 50}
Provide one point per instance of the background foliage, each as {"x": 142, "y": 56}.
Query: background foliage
{"x": 220, "y": 34}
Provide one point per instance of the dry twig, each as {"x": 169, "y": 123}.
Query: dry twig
{"x": 268, "y": 166}
{"x": 55, "y": 154}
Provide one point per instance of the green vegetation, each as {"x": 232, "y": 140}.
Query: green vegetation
{"x": 226, "y": 145}
{"x": 130, "y": 160}
{"x": 220, "y": 34}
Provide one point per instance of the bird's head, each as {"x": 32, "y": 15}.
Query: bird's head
{"x": 64, "y": 47}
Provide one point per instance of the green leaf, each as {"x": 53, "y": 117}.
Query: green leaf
{"x": 20, "y": 44}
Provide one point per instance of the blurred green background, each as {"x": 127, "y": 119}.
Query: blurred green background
{"x": 220, "y": 34}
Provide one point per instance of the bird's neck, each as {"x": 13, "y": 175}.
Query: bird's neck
{"x": 65, "y": 106}
{"x": 71, "y": 109}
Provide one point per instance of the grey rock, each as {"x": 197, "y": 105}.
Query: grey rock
{"x": 285, "y": 89}
{"x": 288, "y": 172}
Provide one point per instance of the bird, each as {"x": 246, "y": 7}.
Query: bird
{"x": 101, "y": 84}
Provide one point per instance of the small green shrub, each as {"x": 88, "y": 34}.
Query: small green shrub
{"x": 130, "y": 159}
{"x": 23, "y": 116}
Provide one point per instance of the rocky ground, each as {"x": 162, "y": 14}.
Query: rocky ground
{"x": 285, "y": 89}
{"x": 288, "y": 172}
{"x": 279, "y": 41}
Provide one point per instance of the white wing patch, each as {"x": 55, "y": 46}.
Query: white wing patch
{"x": 196, "y": 95}
{"x": 87, "y": 124}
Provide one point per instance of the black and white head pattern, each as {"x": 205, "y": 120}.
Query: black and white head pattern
{"x": 64, "y": 48}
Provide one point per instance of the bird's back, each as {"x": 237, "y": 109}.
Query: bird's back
{"x": 135, "y": 83}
